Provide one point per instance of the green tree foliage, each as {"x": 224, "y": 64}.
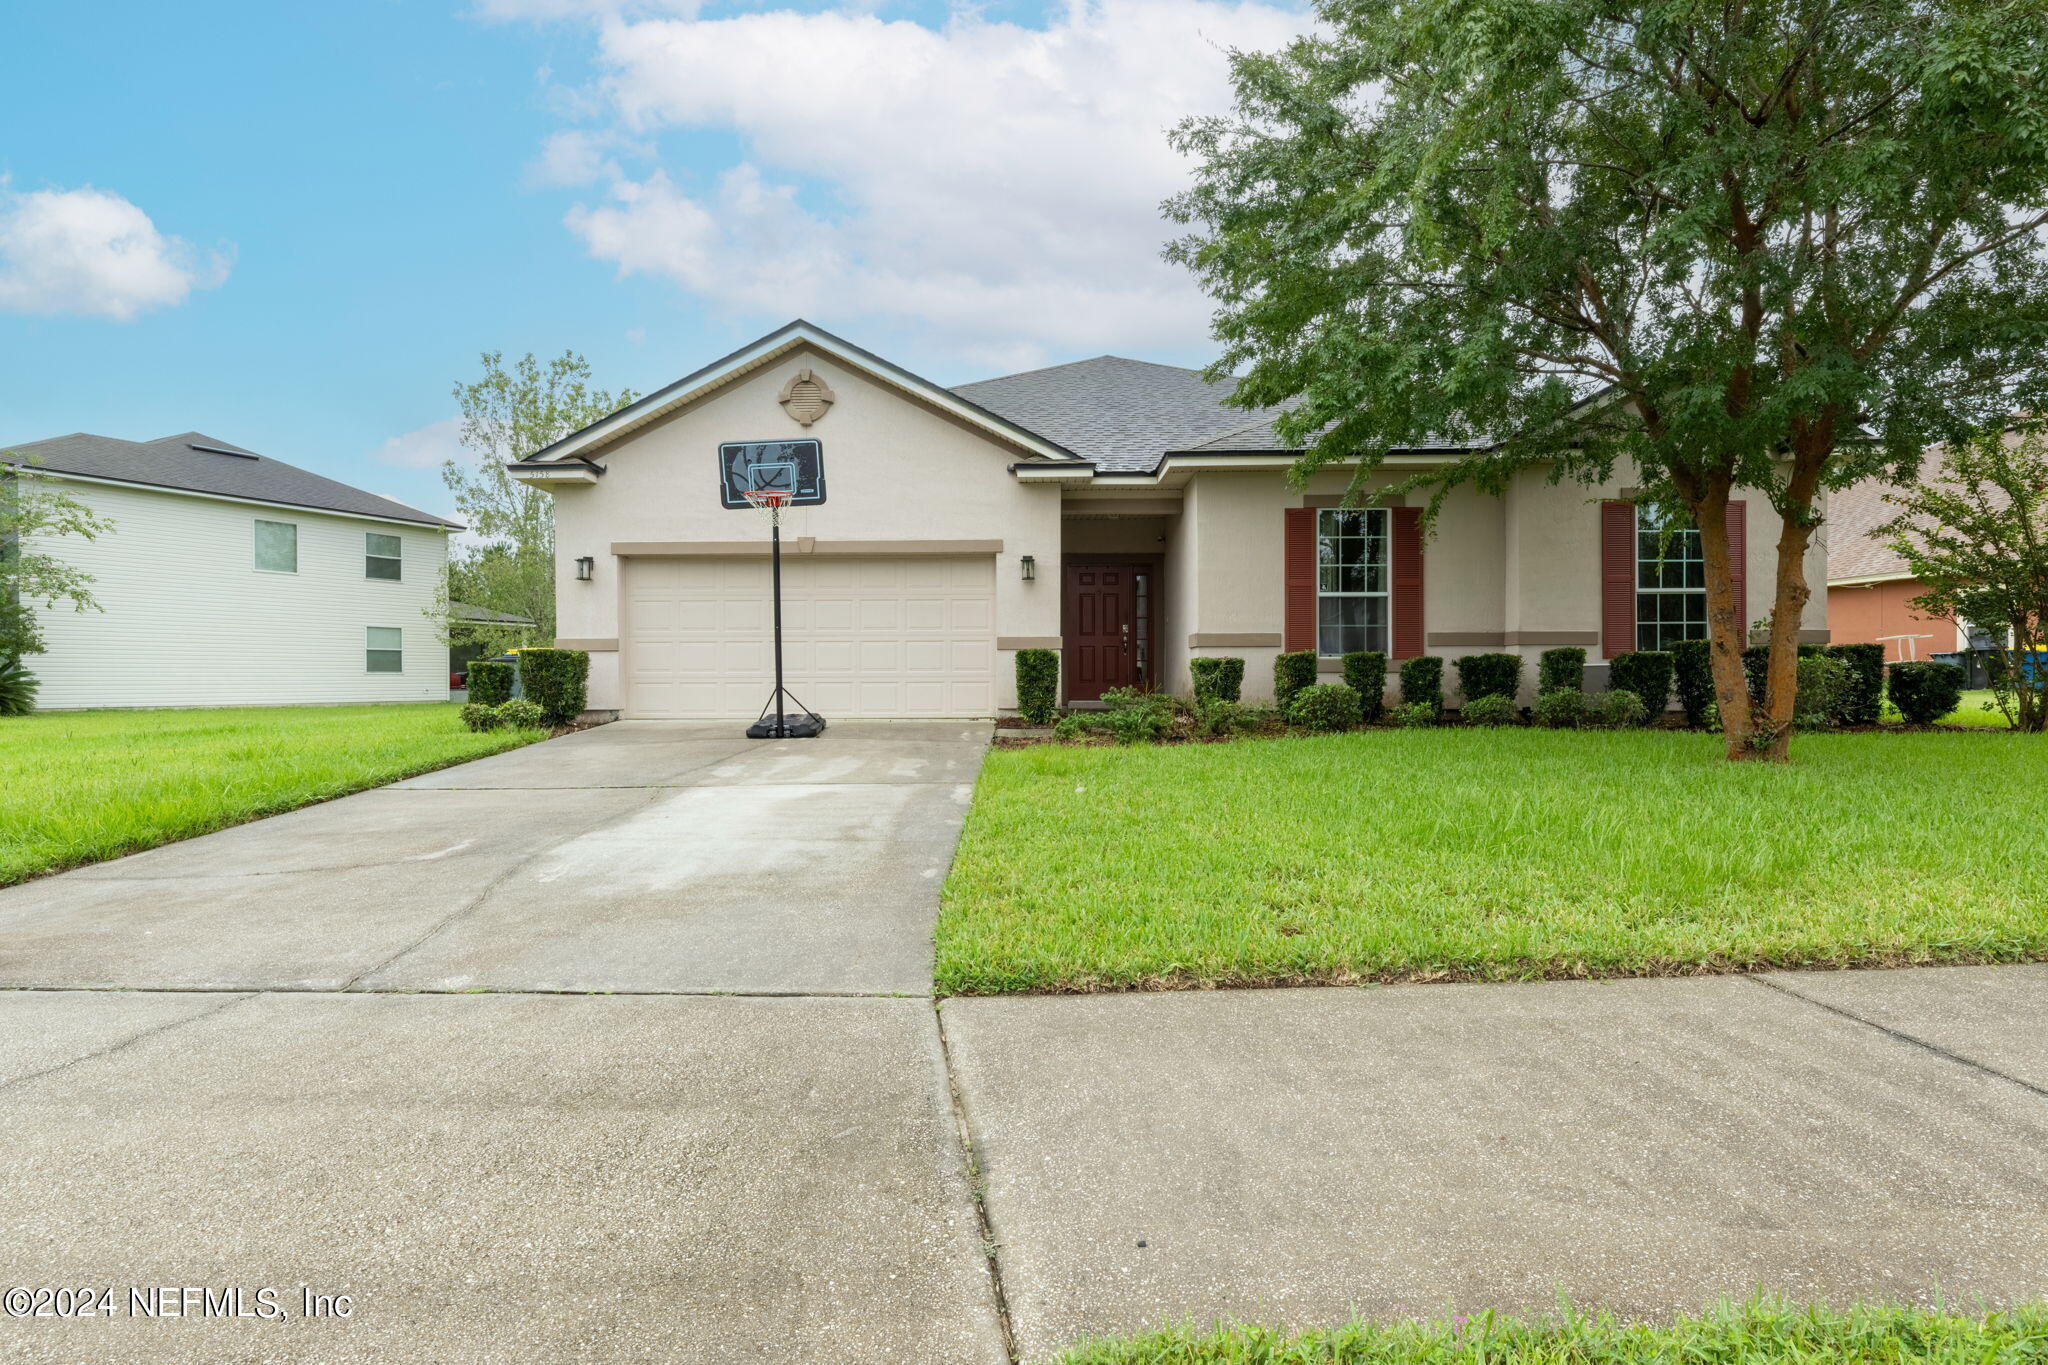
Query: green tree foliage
{"x": 1712, "y": 244}
{"x": 1976, "y": 535}
{"x": 32, "y": 515}
{"x": 507, "y": 415}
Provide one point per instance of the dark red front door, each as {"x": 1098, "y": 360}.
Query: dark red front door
{"x": 1102, "y": 647}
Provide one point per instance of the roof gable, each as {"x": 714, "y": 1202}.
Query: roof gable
{"x": 583, "y": 445}
{"x": 1121, "y": 414}
{"x": 194, "y": 462}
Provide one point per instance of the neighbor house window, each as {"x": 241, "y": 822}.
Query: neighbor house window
{"x": 277, "y": 546}
{"x": 1351, "y": 581}
{"x": 1671, "y": 581}
{"x": 386, "y": 652}
{"x": 381, "y": 557}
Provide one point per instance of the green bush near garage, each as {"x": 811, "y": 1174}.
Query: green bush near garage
{"x": 1038, "y": 685}
{"x": 556, "y": 681}
{"x": 1217, "y": 679}
{"x": 490, "y": 682}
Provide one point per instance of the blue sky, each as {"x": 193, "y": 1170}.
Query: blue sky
{"x": 294, "y": 226}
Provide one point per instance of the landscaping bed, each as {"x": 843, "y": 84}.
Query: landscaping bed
{"x": 1490, "y": 854}
{"x": 1755, "y": 1334}
{"x": 82, "y": 786}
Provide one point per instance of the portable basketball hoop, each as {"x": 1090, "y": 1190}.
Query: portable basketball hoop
{"x": 784, "y": 717}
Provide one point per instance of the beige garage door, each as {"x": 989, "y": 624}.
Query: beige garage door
{"x": 862, "y": 637}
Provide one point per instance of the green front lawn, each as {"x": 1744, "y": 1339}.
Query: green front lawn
{"x": 1755, "y": 1334}
{"x": 1973, "y": 714}
{"x": 76, "y": 787}
{"x": 1469, "y": 854}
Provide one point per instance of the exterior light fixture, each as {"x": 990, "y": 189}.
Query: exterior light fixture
{"x": 585, "y": 566}
{"x": 1030, "y": 568}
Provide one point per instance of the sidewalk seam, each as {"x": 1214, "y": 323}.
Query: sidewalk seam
{"x": 1904, "y": 1037}
{"x": 127, "y": 1043}
{"x": 976, "y": 1188}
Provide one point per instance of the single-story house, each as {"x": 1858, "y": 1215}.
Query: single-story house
{"x": 234, "y": 579}
{"x": 1111, "y": 509}
{"x": 1870, "y": 587}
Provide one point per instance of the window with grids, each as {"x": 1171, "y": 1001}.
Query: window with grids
{"x": 277, "y": 546}
{"x": 385, "y": 652}
{"x": 1352, "y": 580}
{"x": 381, "y": 556}
{"x": 1671, "y": 581}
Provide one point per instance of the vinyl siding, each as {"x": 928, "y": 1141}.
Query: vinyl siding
{"x": 190, "y": 621}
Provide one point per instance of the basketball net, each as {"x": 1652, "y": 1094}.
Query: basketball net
{"x": 769, "y": 500}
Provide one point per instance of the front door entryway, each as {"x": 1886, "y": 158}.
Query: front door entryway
{"x": 1107, "y": 628}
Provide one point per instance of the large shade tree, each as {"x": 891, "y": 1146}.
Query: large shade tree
{"x": 1774, "y": 244}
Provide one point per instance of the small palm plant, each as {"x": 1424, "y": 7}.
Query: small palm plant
{"x": 17, "y": 688}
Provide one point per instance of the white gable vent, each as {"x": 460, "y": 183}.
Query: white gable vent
{"x": 805, "y": 397}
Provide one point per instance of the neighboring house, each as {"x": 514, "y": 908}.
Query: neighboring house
{"x": 462, "y": 651}
{"x": 1110, "y": 509}
{"x": 1870, "y": 589}
{"x": 233, "y": 579}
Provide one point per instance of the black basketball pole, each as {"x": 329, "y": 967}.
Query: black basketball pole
{"x": 810, "y": 723}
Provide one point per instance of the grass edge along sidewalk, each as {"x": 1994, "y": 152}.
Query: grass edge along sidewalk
{"x": 1490, "y": 855}
{"x": 80, "y": 787}
{"x": 1761, "y": 1331}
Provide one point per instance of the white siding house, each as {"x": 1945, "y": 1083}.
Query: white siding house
{"x": 215, "y": 600}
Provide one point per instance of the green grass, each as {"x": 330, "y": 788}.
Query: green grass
{"x": 1759, "y": 1333}
{"x": 1973, "y": 714}
{"x": 1475, "y": 855}
{"x": 77, "y": 787}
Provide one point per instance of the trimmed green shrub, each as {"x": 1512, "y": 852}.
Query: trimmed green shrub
{"x": 1824, "y": 689}
{"x": 1038, "y": 685}
{"x": 1365, "y": 672}
{"x": 1617, "y": 709}
{"x": 1756, "y": 662}
{"x": 1326, "y": 707}
{"x": 1291, "y": 673}
{"x": 1491, "y": 710}
{"x": 478, "y": 717}
{"x": 1560, "y": 708}
{"x": 1925, "y": 691}
{"x": 1692, "y": 676}
{"x": 490, "y": 682}
{"x": 555, "y": 680}
{"x": 521, "y": 714}
{"x": 1079, "y": 725}
{"x": 1217, "y": 717}
{"x": 1422, "y": 683}
{"x": 1863, "y": 696}
{"x": 1647, "y": 673}
{"x": 1489, "y": 675}
{"x": 1218, "y": 679}
{"x": 1417, "y": 715}
{"x": 18, "y": 688}
{"x": 1561, "y": 667}
{"x": 1137, "y": 717}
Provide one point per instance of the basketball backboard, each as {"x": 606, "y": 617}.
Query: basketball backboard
{"x": 798, "y": 466}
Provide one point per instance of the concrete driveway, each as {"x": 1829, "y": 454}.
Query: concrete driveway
{"x": 641, "y": 856}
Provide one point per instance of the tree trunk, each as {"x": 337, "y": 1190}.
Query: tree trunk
{"x": 1727, "y": 632}
{"x": 1781, "y": 674}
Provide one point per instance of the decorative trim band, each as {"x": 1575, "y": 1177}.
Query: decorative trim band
{"x": 1242, "y": 640}
{"x": 1030, "y": 642}
{"x": 1320, "y": 501}
{"x": 1816, "y": 637}
{"x": 1552, "y": 637}
{"x": 803, "y": 545}
{"x": 1468, "y": 637}
{"x": 590, "y": 646}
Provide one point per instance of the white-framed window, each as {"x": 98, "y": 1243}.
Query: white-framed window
{"x": 383, "y": 556}
{"x": 384, "y": 649}
{"x": 1353, "y": 582}
{"x": 277, "y": 546}
{"x": 1671, "y": 581}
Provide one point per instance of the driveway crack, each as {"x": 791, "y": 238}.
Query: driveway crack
{"x": 127, "y": 1043}
{"x": 977, "y": 1187}
{"x": 1937, "y": 1049}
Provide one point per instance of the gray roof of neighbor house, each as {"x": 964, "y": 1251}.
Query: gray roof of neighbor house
{"x": 1122, "y": 414}
{"x": 1853, "y": 513}
{"x": 199, "y": 463}
{"x": 463, "y": 611}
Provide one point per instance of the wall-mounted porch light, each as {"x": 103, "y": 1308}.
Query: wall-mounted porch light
{"x": 585, "y": 566}
{"x": 1030, "y": 568}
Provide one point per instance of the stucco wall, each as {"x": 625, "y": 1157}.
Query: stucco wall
{"x": 895, "y": 470}
{"x": 1864, "y": 613}
{"x": 189, "y": 620}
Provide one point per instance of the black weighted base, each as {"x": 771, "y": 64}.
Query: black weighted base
{"x": 804, "y": 725}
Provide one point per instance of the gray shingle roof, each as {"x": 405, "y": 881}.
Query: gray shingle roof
{"x": 180, "y": 462}
{"x": 1122, "y": 414}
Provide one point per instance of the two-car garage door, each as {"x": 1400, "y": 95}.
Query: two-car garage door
{"x": 862, "y": 636}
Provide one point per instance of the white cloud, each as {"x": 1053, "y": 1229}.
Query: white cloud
{"x": 90, "y": 252}
{"x": 579, "y": 157}
{"x": 425, "y": 447}
{"x": 987, "y": 185}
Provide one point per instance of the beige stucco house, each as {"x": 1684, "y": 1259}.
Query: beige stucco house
{"x": 1111, "y": 509}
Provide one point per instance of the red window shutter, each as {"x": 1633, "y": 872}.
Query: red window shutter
{"x": 1406, "y": 562}
{"x": 1617, "y": 578}
{"x": 1298, "y": 554}
{"x": 1738, "y": 562}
